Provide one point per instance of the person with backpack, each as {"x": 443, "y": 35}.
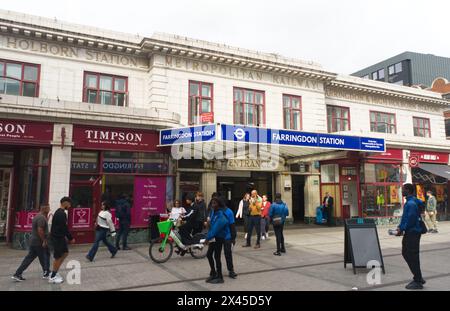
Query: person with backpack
{"x": 123, "y": 213}
{"x": 219, "y": 231}
{"x": 104, "y": 226}
{"x": 277, "y": 215}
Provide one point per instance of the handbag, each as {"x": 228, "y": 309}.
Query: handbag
{"x": 277, "y": 221}
{"x": 423, "y": 226}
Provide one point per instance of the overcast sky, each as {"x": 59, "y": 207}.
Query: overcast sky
{"x": 343, "y": 36}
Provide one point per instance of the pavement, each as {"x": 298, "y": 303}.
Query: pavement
{"x": 313, "y": 262}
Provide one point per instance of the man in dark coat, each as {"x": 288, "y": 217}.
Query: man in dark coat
{"x": 328, "y": 204}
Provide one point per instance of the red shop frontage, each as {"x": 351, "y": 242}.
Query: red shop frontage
{"x": 112, "y": 164}
{"x": 25, "y": 157}
{"x": 365, "y": 184}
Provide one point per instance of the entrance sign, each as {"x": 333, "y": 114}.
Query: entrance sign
{"x": 267, "y": 136}
{"x": 361, "y": 243}
{"x": 239, "y": 133}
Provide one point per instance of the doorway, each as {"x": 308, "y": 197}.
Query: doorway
{"x": 298, "y": 198}
{"x": 349, "y": 199}
{"x": 85, "y": 197}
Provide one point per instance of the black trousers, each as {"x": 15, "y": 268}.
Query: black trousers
{"x": 35, "y": 251}
{"x": 330, "y": 216}
{"x": 198, "y": 227}
{"x": 227, "y": 246}
{"x": 410, "y": 252}
{"x": 124, "y": 229}
{"x": 254, "y": 221}
{"x": 214, "y": 253}
{"x": 279, "y": 237}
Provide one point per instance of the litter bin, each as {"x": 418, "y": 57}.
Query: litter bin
{"x": 319, "y": 215}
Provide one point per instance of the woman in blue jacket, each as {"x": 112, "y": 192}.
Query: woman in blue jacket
{"x": 219, "y": 232}
{"x": 278, "y": 213}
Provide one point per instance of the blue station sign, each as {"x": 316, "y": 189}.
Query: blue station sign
{"x": 238, "y": 133}
{"x": 256, "y": 135}
{"x": 193, "y": 134}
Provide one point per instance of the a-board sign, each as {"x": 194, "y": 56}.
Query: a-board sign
{"x": 361, "y": 243}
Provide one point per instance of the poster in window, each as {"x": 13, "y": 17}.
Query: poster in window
{"x": 420, "y": 192}
{"x": 149, "y": 199}
{"x": 393, "y": 190}
{"x": 440, "y": 193}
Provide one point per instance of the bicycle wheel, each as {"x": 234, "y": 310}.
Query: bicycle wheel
{"x": 199, "y": 252}
{"x": 157, "y": 254}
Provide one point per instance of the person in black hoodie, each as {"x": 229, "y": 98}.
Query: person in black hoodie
{"x": 190, "y": 218}
{"x": 200, "y": 218}
{"x": 59, "y": 232}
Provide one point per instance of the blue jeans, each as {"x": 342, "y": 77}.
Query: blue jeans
{"x": 124, "y": 228}
{"x": 100, "y": 236}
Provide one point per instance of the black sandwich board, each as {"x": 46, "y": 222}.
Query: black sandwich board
{"x": 361, "y": 243}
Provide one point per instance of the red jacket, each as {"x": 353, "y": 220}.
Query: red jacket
{"x": 265, "y": 209}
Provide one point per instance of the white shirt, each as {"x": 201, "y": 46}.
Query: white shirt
{"x": 104, "y": 220}
{"x": 176, "y": 212}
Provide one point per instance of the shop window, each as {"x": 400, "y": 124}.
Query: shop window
{"x": 292, "y": 110}
{"x": 135, "y": 162}
{"x": 249, "y": 107}
{"x": 329, "y": 173}
{"x": 382, "y": 122}
{"x": 84, "y": 162}
{"x": 421, "y": 127}
{"x": 200, "y": 103}
{"x": 18, "y": 78}
{"x": 33, "y": 179}
{"x": 338, "y": 119}
{"x": 105, "y": 89}
{"x": 381, "y": 200}
{"x": 381, "y": 173}
{"x": 6, "y": 158}
{"x": 116, "y": 187}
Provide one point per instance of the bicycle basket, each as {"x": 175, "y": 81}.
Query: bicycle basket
{"x": 164, "y": 226}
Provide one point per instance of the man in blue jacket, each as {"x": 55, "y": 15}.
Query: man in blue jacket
{"x": 411, "y": 229}
{"x": 277, "y": 214}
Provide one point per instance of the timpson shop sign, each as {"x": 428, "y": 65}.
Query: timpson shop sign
{"x": 104, "y": 138}
{"x": 236, "y": 72}
{"x": 54, "y": 49}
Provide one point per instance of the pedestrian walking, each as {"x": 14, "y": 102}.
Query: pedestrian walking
{"x": 411, "y": 229}
{"x": 218, "y": 232}
{"x": 431, "y": 212}
{"x": 123, "y": 213}
{"x": 265, "y": 207}
{"x": 277, "y": 214}
{"x": 38, "y": 245}
{"x": 104, "y": 226}
{"x": 254, "y": 219}
{"x": 59, "y": 236}
{"x": 244, "y": 212}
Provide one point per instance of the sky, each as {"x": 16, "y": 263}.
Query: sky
{"x": 343, "y": 36}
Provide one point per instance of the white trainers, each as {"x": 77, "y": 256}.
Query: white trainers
{"x": 245, "y": 236}
{"x": 263, "y": 237}
{"x": 267, "y": 234}
{"x": 56, "y": 280}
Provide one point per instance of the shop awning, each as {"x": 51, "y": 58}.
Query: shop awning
{"x": 436, "y": 169}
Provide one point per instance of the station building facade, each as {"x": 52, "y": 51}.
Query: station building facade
{"x": 81, "y": 109}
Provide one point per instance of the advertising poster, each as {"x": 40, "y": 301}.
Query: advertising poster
{"x": 149, "y": 199}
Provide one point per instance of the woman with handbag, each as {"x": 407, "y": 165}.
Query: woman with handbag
{"x": 278, "y": 213}
{"x": 244, "y": 211}
{"x": 104, "y": 225}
